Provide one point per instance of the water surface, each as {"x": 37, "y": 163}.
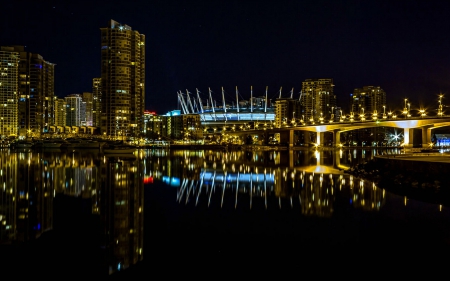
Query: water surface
{"x": 85, "y": 213}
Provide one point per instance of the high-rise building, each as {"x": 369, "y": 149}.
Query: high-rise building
{"x": 122, "y": 81}
{"x": 287, "y": 112}
{"x": 36, "y": 92}
{"x": 60, "y": 113}
{"x": 88, "y": 99}
{"x": 368, "y": 100}
{"x": 9, "y": 77}
{"x": 318, "y": 99}
{"x": 96, "y": 101}
{"x": 74, "y": 110}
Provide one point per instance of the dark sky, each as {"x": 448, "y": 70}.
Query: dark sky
{"x": 401, "y": 46}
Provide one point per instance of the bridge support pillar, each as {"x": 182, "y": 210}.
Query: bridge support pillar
{"x": 336, "y": 138}
{"x": 320, "y": 138}
{"x": 291, "y": 138}
{"x": 426, "y": 136}
{"x": 408, "y": 137}
{"x": 287, "y": 138}
{"x": 291, "y": 158}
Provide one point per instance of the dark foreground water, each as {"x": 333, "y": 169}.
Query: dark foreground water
{"x": 183, "y": 214}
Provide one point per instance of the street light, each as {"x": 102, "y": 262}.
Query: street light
{"x": 440, "y": 112}
{"x": 405, "y": 110}
{"x": 374, "y": 115}
{"x": 422, "y": 113}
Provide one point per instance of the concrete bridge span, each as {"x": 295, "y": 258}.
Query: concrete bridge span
{"x": 426, "y": 125}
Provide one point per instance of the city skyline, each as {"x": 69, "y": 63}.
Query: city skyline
{"x": 400, "y": 48}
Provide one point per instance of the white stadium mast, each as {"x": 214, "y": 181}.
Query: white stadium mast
{"x": 224, "y": 105}
{"x": 189, "y": 101}
{"x": 199, "y": 100}
{"x": 183, "y": 103}
{"x": 237, "y": 100}
{"x": 251, "y": 98}
{"x": 265, "y": 103}
{"x": 212, "y": 104}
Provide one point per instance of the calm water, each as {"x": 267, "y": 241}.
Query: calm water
{"x": 83, "y": 213}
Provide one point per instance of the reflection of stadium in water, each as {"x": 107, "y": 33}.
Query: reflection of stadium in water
{"x": 312, "y": 193}
{"x": 304, "y": 179}
{"x": 111, "y": 188}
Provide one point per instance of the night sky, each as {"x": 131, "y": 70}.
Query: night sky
{"x": 401, "y": 46}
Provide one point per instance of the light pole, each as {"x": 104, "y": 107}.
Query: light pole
{"x": 405, "y": 110}
{"x": 440, "y": 113}
{"x": 363, "y": 118}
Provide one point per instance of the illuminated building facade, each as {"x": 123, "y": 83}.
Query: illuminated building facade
{"x": 287, "y": 112}
{"x": 96, "y": 101}
{"x": 88, "y": 100}
{"x": 368, "y": 100}
{"x": 122, "y": 81}
{"x": 156, "y": 126}
{"x": 60, "y": 112}
{"x": 35, "y": 92}
{"x": 74, "y": 110}
{"x": 9, "y": 75}
{"x": 318, "y": 99}
{"x": 187, "y": 127}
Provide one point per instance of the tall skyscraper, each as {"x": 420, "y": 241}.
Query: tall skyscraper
{"x": 122, "y": 81}
{"x": 96, "y": 101}
{"x": 318, "y": 99}
{"x": 35, "y": 92}
{"x": 9, "y": 77}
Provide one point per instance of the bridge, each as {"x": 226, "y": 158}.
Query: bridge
{"x": 426, "y": 125}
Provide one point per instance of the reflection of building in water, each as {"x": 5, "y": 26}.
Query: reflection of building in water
{"x": 30, "y": 180}
{"x": 122, "y": 201}
{"x": 26, "y": 209}
{"x": 8, "y": 209}
{"x": 72, "y": 174}
{"x": 368, "y": 197}
{"x": 317, "y": 194}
